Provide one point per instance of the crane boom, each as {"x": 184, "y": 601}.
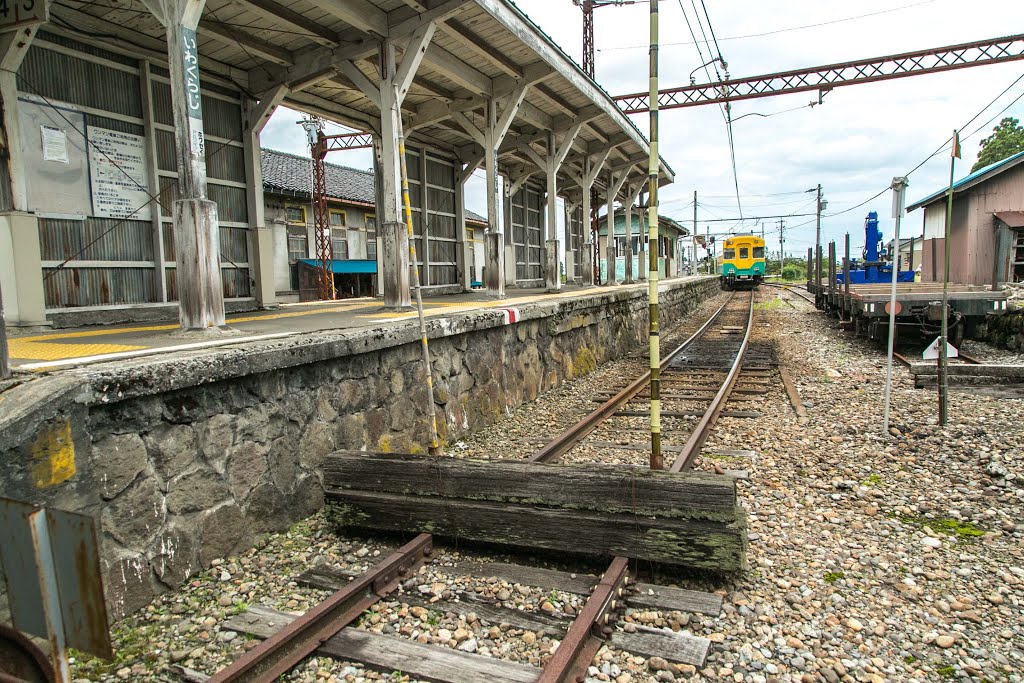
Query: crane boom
{"x": 824, "y": 78}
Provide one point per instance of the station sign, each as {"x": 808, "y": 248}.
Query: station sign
{"x": 17, "y": 13}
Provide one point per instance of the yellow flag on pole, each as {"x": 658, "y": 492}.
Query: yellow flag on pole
{"x": 956, "y": 144}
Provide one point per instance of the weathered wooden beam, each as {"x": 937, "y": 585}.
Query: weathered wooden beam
{"x": 250, "y": 44}
{"x": 691, "y": 520}
{"x": 285, "y": 17}
{"x": 976, "y": 370}
{"x": 388, "y": 653}
{"x": 478, "y": 46}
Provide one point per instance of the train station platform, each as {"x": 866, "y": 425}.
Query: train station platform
{"x": 73, "y": 347}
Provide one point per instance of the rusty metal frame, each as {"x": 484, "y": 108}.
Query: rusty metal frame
{"x": 691, "y": 449}
{"x": 299, "y": 639}
{"x": 590, "y": 628}
{"x": 824, "y": 78}
{"x": 568, "y": 439}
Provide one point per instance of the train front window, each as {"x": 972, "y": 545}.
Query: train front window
{"x": 728, "y": 254}
{"x": 744, "y": 252}
{"x": 758, "y": 252}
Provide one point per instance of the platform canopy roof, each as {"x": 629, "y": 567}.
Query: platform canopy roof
{"x": 321, "y": 50}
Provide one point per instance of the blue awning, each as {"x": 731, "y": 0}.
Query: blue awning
{"x": 357, "y": 266}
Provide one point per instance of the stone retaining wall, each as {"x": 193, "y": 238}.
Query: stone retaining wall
{"x": 187, "y": 458}
{"x": 1005, "y": 331}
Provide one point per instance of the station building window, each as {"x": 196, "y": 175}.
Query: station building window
{"x": 298, "y": 248}
{"x": 295, "y": 214}
{"x": 370, "y": 221}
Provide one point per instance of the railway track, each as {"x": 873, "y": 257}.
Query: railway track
{"x": 792, "y": 289}
{"x": 716, "y": 364}
{"x": 698, "y": 379}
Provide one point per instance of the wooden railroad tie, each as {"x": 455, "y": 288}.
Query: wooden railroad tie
{"x": 691, "y": 519}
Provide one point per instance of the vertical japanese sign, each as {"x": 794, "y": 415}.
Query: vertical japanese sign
{"x": 193, "y": 99}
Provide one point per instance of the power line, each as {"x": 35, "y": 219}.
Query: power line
{"x": 781, "y": 30}
{"x": 945, "y": 144}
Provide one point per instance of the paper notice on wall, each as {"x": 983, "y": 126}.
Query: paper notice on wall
{"x": 55, "y": 144}
{"x": 118, "y": 175}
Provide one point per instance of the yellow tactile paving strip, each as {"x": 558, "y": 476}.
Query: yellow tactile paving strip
{"x": 19, "y": 348}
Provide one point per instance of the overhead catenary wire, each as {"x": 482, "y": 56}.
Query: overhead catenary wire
{"x": 781, "y": 30}
{"x": 945, "y": 145}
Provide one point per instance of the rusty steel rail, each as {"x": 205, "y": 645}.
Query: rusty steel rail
{"x": 299, "y": 639}
{"x": 790, "y": 289}
{"x": 691, "y": 449}
{"x": 590, "y": 628}
{"x": 568, "y": 439}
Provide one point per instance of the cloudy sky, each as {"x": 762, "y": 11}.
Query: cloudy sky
{"x": 853, "y": 144}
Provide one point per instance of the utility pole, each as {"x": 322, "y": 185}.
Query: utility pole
{"x": 694, "y": 235}
{"x": 821, "y": 204}
{"x": 782, "y": 249}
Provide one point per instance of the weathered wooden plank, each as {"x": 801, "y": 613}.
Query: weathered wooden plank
{"x": 976, "y": 370}
{"x": 688, "y": 413}
{"x": 717, "y": 545}
{"x": 668, "y": 598}
{"x": 608, "y": 489}
{"x": 390, "y": 653}
{"x": 488, "y": 611}
{"x": 682, "y": 648}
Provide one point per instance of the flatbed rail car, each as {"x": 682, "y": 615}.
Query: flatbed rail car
{"x": 918, "y": 305}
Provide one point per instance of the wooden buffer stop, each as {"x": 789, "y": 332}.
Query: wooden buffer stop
{"x": 688, "y": 519}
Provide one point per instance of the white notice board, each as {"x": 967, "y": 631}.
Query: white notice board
{"x": 117, "y": 175}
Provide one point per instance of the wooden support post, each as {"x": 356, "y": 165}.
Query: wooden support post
{"x": 255, "y": 115}
{"x": 196, "y": 229}
{"x": 5, "y": 361}
{"x": 396, "y": 246}
{"x": 552, "y": 274}
{"x": 494, "y": 245}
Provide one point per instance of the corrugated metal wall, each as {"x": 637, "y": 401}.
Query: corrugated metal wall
{"x": 116, "y": 262}
{"x": 526, "y": 218}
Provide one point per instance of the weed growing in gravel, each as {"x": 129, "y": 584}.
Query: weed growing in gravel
{"x": 946, "y": 671}
{"x": 909, "y": 659}
{"x": 872, "y": 480}
{"x": 965, "y": 531}
{"x": 832, "y": 577}
{"x": 769, "y": 305}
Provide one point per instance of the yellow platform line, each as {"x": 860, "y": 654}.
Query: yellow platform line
{"x": 19, "y": 348}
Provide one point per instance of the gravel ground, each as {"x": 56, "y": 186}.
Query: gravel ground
{"x": 873, "y": 557}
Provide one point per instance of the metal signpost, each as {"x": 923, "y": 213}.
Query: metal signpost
{"x": 899, "y": 190}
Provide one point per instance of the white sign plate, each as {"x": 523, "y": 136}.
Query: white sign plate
{"x": 118, "y": 175}
{"x": 932, "y": 352}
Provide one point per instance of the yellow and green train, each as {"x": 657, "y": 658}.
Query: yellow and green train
{"x": 742, "y": 262}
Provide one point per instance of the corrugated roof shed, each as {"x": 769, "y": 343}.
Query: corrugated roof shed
{"x": 291, "y": 174}
{"x": 979, "y": 176}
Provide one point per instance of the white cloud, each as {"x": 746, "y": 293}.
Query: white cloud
{"x": 853, "y": 144}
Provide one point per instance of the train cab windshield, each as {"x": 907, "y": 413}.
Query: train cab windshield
{"x": 744, "y": 252}
{"x": 728, "y": 253}
{"x": 758, "y": 252}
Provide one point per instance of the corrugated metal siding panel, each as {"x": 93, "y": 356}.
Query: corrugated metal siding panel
{"x": 223, "y": 119}
{"x": 162, "y": 111}
{"x": 94, "y": 121}
{"x": 231, "y": 204}
{"x": 85, "y": 48}
{"x": 236, "y": 282}
{"x": 98, "y": 286}
{"x": 62, "y": 77}
{"x": 234, "y": 245}
{"x": 226, "y": 162}
{"x": 165, "y": 151}
{"x": 95, "y": 239}
{"x": 168, "y": 231}
{"x": 6, "y": 200}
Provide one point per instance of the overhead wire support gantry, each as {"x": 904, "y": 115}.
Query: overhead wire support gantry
{"x": 825, "y": 78}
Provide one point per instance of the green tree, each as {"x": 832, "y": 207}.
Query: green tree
{"x": 1006, "y": 140}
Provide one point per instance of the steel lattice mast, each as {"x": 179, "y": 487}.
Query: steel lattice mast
{"x": 825, "y": 78}
{"x": 320, "y": 145}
